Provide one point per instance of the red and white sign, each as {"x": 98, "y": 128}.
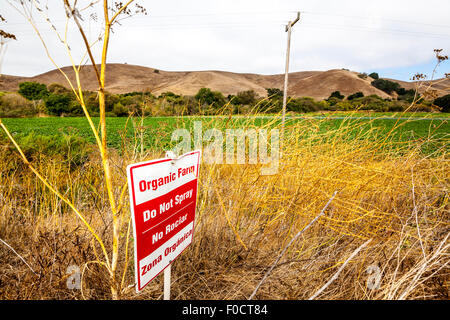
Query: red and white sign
{"x": 163, "y": 196}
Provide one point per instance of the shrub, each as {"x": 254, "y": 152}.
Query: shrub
{"x": 69, "y": 145}
{"x": 119, "y": 110}
{"x": 343, "y": 106}
{"x": 421, "y": 107}
{"x": 206, "y": 96}
{"x": 248, "y": 97}
{"x": 75, "y": 109}
{"x": 58, "y": 89}
{"x": 332, "y": 101}
{"x": 374, "y": 75}
{"x": 358, "y": 94}
{"x": 396, "y": 106}
{"x": 337, "y": 95}
{"x": 33, "y": 90}
{"x": 274, "y": 93}
{"x": 168, "y": 94}
{"x": 386, "y": 85}
{"x": 110, "y": 101}
{"x": 372, "y": 102}
{"x": 362, "y": 75}
{"x": 304, "y": 104}
{"x": 15, "y": 105}
{"x": 407, "y": 95}
{"x": 57, "y": 104}
{"x": 443, "y": 102}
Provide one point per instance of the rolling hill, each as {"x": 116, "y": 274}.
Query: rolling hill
{"x": 122, "y": 78}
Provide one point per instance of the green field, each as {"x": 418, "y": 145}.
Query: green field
{"x": 411, "y": 126}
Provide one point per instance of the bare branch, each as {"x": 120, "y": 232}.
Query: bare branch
{"x": 336, "y": 275}
{"x": 289, "y": 244}
{"x": 12, "y": 249}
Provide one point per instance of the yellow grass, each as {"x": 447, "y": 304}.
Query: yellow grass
{"x": 244, "y": 220}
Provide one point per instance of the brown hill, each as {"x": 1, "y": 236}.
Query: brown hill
{"x": 123, "y": 78}
{"x": 442, "y": 86}
{"x": 322, "y": 84}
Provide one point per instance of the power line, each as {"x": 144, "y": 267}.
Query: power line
{"x": 374, "y": 30}
{"x": 248, "y": 23}
{"x": 274, "y": 22}
{"x": 375, "y": 18}
{"x": 214, "y": 15}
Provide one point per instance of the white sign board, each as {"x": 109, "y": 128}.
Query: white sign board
{"x": 163, "y": 197}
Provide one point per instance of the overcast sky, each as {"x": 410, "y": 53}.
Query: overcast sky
{"x": 394, "y": 38}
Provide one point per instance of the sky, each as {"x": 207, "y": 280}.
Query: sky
{"x": 394, "y": 38}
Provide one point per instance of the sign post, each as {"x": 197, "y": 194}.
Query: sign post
{"x": 163, "y": 197}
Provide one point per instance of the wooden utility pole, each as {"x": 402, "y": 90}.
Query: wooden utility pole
{"x": 288, "y": 30}
{"x": 3, "y": 47}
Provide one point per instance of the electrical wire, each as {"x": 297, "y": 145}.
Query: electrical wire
{"x": 164, "y": 23}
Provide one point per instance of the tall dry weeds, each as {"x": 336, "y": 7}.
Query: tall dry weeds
{"x": 244, "y": 220}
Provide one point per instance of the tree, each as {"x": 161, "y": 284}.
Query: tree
{"x": 206, "y": 96}
{"x": 304, "y": 104}
{"x": 336, "y": 94}
{"x": 407, "y": 95}
{"x": 362, "y": 75}
{"x": 274, "y": 93}
{"x": 443, "y": 102}
{"x": 33, "y": 90}
{"x": 386, "y": 85}
{"x": 374, "y": 75}
{"x": 57, "y": 104}
{"x": 358, "y": 94}
{"x": 57, "y": 88}
{"x": 119, "y": 110}
{"x": 247, "y": 97}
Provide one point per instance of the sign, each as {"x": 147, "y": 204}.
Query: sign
{"x": 163, "y": 197}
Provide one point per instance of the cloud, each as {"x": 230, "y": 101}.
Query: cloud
{"x": 248, "y": 36}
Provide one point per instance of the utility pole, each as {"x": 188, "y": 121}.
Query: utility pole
{"x": 3, "y": 47}
{"x": 288, "y": 30}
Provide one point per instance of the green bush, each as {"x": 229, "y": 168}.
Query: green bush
{"x": 337, "y": 95}
{"x": 212, "y": 98}
{"x": 332, "y": 101}
{"x": 58, "y": 89}
{"x": 407, "y": 95}
{"x": 119, "y": 110}
{"x": 343, "y": 106}
{"x": 304, "y": 104}
{"x": 386, "y": 85}
{"x": 57, "y": 104}
{"x": 73, "y": 149}
{"x": 33, "y": 90}
{"x": 372, "y": 102}
{"x": 374, "y": 75}
{"x": 274, "y": 93}
{"x": 358, "y": 94}
{"x": 248, "y": 97}
{"x": 443, "y": 103}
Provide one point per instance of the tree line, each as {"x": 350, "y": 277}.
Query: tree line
{"x": 35, "y": 98}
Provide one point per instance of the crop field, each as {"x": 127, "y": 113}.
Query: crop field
{"x": 409, "y": 126}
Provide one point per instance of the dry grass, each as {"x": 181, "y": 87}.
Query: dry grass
{"x": 400, "y": 201}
